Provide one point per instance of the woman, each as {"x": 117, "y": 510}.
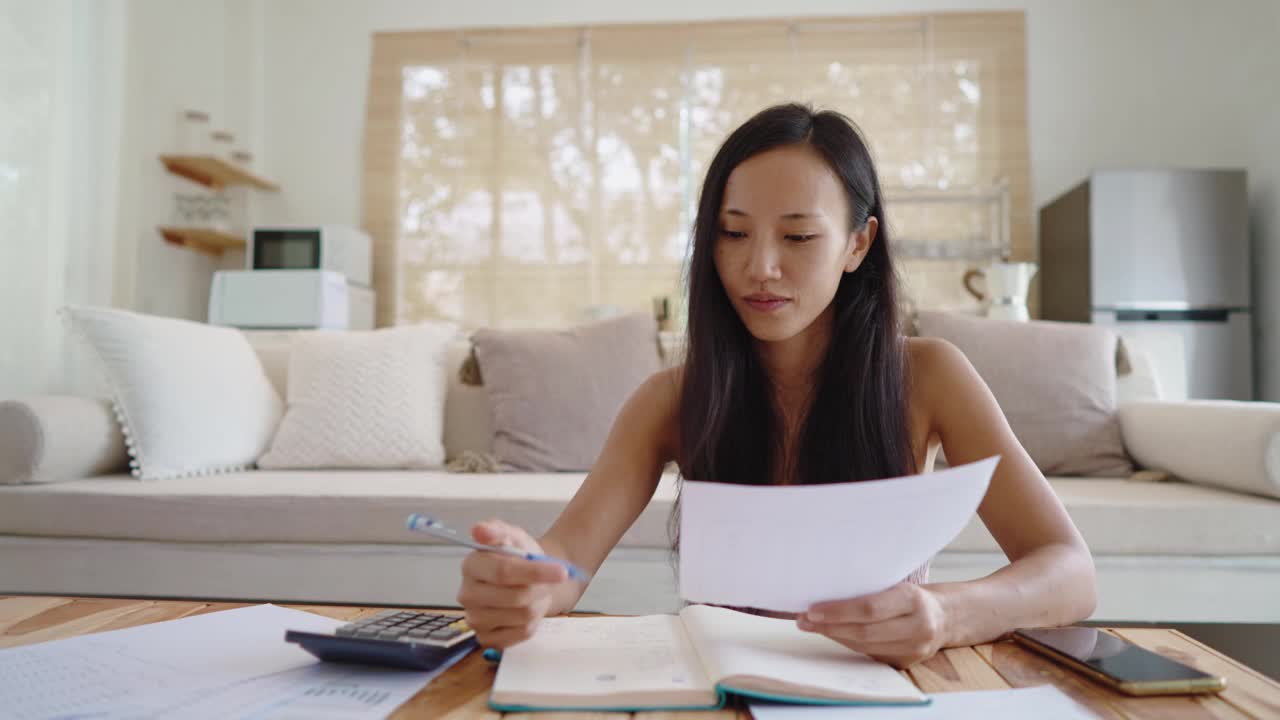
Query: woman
{"x": 796, "y": 372}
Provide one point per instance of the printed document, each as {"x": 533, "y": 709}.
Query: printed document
{"x": 784, "y": 548}
{"x": 229, "y": 664}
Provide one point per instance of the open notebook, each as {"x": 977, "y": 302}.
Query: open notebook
{"x": 687, "y": 661}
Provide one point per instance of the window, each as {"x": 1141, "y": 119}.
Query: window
{"x": 525, "y": 177}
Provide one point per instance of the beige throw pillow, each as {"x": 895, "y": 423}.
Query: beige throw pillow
{"x": 1055, "y": 382}
{"x": 364, "y": 399}
{"x": 555, "y": 394}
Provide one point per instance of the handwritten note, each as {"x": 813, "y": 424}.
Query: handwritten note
{"x": 786, "y": 547}
{"x": 596, "y": 656}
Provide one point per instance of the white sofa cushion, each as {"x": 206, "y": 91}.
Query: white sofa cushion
{"x": 364, "y": 399}
{"x": 329, "y": 506}
{"x": 191, "y": 398}
{"x": 1120, "y": 517}
{"x": 352, "y": 507}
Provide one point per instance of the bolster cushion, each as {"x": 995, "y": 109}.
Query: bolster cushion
{"x": 49, "y": 438}
{"x": 1235, "y": 445}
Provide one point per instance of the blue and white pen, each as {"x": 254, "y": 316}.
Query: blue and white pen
{"x": 431, "y": 526}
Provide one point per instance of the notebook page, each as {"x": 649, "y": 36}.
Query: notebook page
{"x": 585, "y": 656}
{"x": 787, "y": 547}
{"x": 732, "y": 643}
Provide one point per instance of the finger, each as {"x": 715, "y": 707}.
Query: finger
{"x": 487, "y": 595}
{"x": 506, "y": 637}
{"x": 496, "y": 532}
{"x": 897, "y": 600}
{"x": 899, "y": 660}
{"x": 500, "y": 569}
{"x": 905, "y": 628}
{"x": 489, "y": 620}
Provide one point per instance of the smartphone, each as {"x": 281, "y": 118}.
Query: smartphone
{"x": 1118, "y": 663}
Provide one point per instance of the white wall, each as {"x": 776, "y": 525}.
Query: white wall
{"x": 1264, "y": 180}
{"x": 1141, "y": 82}
{"x": 183, "y": 54}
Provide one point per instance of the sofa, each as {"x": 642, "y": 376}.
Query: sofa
{"x": 1166, "y": 550}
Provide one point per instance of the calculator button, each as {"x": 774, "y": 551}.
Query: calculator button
{"x": 345, "y": 631}
{"x": 366, "y": 633}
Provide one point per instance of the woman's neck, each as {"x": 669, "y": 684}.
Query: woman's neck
{"x": 793, "y": 364}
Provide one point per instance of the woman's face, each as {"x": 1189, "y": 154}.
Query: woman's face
{"x": 784, "y": 241}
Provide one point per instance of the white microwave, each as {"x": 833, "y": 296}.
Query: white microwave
{"x": 335, "y": 248}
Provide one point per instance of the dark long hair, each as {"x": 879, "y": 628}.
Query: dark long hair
{"x": 856, "y": 427}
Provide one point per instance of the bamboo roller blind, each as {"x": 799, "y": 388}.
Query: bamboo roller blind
{"x": 517, "y": 177}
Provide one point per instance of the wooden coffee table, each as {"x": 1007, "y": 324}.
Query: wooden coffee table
{"x": 463, "y": 690}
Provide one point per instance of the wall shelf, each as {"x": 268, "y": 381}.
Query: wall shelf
{"x": 212, "y": 242}
{"x": 214, "y": 172}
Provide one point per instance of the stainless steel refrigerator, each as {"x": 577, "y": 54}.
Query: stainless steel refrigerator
{"x": 1157, "y": 249}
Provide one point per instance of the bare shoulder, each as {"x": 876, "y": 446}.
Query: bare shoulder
{"x": 935, "y": 363}
{"x": 656, "y": 405}
{"x": 661, "y": 390}
{"x": 940, "y": 375}
{"x": 948, "y": 392}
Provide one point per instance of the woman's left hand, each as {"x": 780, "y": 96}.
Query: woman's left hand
{"x": 901, "y": 626}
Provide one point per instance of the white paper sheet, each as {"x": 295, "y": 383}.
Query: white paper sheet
{"x": 786, "y": 547}
{"x": 1042, "y": 703}
{"x": 229, "y": 664}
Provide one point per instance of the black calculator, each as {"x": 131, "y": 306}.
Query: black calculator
{"x": 403, "y": 639}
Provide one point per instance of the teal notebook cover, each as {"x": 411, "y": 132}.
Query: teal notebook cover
{"x": 723, "y": 693}
{"x": 722, "y": 696}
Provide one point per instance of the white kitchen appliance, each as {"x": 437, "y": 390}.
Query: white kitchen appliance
{"x": 341, "y": 249}
{"x": 1005, "y": 297}
{"x": 289, "y": 299}
{"x": 1158, "y": 251}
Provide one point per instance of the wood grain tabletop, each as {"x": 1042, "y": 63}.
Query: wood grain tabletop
{"x": 462, "y": 692}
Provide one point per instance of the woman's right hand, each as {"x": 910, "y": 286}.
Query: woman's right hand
{"x": 505, "y": 597}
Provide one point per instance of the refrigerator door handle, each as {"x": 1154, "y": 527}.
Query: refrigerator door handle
{"x": 1220, "y": 315}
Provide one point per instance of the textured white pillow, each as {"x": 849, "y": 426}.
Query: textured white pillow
{"x": 192, "y": 399}
{"x": 364, "y": 399}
